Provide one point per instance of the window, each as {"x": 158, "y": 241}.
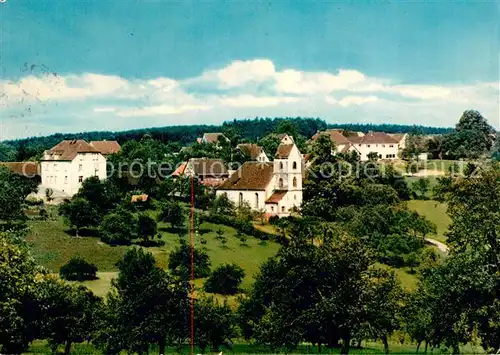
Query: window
{"x": 240, "y": 200}
{"x": 95, "y": 172}
{"x": 380, "y": 156}
{"x": 281, "y": 182}
{"x": 283, "y": 209}
{"x": 65, "y": 179}
{"x": 80, "y": 167}
{"x": 368, "y": 145}
{"x": 391, "y": 145}
{"x": 281, "y": 166}
{"x": 294, "y": 182}
{"x": 383, "y": 145}
{"x": 256, "y": 200}
{"x": 55, "y": 167}
{"x": 294, "y": 196}
{"x": 294, "y": 165}
{"x": 272, "y": 208}
{"x": 80, "y": 179}
{"x": 359, "y": 145}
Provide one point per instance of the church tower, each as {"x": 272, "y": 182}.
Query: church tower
{"x": 288, "y": 168}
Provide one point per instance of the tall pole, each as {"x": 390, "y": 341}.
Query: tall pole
{"x": 192, "y": 266}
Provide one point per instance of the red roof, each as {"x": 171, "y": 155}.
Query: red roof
{"x": 253, "y": 150}
{"x": 374, "y": 138}
{"x": 334, "y": 135}
{"x": 68, "y": 150}
{"x": 276, "y": 197}
{"x": 283, "y": 151}
{"x": 106, "y": 147}
{"x": 251, "y": 175}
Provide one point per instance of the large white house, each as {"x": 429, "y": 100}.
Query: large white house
{"x": 67, "y": 164}
{"x": 385, "y": 146}
{"x": 272, "y": 187}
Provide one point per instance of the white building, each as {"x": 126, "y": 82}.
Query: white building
{"x": 64, "y": 167}
{"x": 273, "y": 187}
{"x": 254, "y": 151}
{"x": 385, "y": 146}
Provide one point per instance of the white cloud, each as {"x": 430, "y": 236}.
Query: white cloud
{"x": 255, "y": 101}
{"x": 242, "y": 88}
{"x": 160, "y": 110}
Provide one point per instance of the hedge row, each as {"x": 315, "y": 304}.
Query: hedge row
{"x": 242, "y": 226}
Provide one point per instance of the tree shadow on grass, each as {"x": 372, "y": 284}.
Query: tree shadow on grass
{"x": 150, "y": 243}
{"x": 84, "y": 232}
{"x": 174, "y": 230}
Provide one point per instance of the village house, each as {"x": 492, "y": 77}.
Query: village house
{"x": 254, "y": 151}
{"x": 274, "y": 188}
{"x": 106, "y": 147}
{"x": 385, "y": 146}
{"x": 66, "y": 165}
{"x": 211, "y": 138}
{"x": 209, "y": 172}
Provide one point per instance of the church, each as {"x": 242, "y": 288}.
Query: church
{"x": 275, "y": 187}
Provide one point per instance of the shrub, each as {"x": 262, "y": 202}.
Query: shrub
{"x": 180, "y": 259}
{"x": 78, "y": 269}
{"x": 225, "y": 279}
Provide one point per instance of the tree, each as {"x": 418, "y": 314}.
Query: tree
{"x": 101, "y": 195}
{"x": 222, "y": 205}
{"x": 78, "y": 269}
{"x": 421, "y": 187}
{"x": 146, "y": 226}
{"x": 79, "y": 213}
{"x": 13, "y": 191}
{"x": 372, "y": 156}
{"x": 214, "y": 323}
{"x": 118, "y": 227}
{"x": 18, "y": 296}
{"x": 320, "y": 294}
{"x": 473, "y": 120}
{"x": 48, "y": 194}
{"x": 172, "y": 213}
{"x": 179, "y": 262}
{"x": 225, "y": 279}
{"x": 270, "y": 144}
{"x": 146, "y": 306}
{"x": 67, "y": 313}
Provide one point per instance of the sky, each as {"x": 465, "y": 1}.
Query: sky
{"x": 73, "y": 66}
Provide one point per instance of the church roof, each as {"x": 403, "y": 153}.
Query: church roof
{"x": 283, "y": 151}
{"x": 250, "y": 176}
{"x": 276, "y": 196}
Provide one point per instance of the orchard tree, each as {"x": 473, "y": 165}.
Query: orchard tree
{"x": 214, "y": 323}
{"x": 17, "y": 297}
{"x": 79, "y": 213}
{"x": 78, "y": 269}
{"x": 172, "y": 213}
{"x": 179, "y": 262}
{"x": 118, "y": 227}
{"x": 145, "y": 306}
{"x": 146, "y": 226}
{"x": 67, "y": 313}
{"x": 225, "y": 279}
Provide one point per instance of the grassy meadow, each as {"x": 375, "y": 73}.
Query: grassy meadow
{"x": 435, "y": 212}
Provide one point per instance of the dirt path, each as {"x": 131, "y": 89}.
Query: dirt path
{"x": 441, "y": 246}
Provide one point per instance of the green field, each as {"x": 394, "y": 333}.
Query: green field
{"x": 52, "y": 245}
{"x": 240, "y": 347}
{"x": 435, "y": 212}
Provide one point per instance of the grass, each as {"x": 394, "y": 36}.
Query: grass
{"x": 395, "y": 347}
{"x": 52, "y": 245}
{"x": 435, "y": 212}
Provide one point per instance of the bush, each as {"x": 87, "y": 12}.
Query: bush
{"x": 273, "y": 220}
{"x": 78, "y": 269}
{"x": 180, "y": 259}
{"x": 225, "y": 279}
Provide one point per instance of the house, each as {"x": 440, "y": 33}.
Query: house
{"x": 401, "y": 138}
{"x": 285, "y": 138}
{"x": 254, "y": 151}
{"x": 341, "y": 142}
{"x": 106, "y": 147}
{"x": 67, "y": 164}
{"x": 210, "y": 172}
{"x": 381, "y": 143}
{"x": 272, "y": 187}
{"x": 212, "y": 138}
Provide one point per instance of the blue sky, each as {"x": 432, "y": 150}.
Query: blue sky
{"x": 69, "y": 66}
